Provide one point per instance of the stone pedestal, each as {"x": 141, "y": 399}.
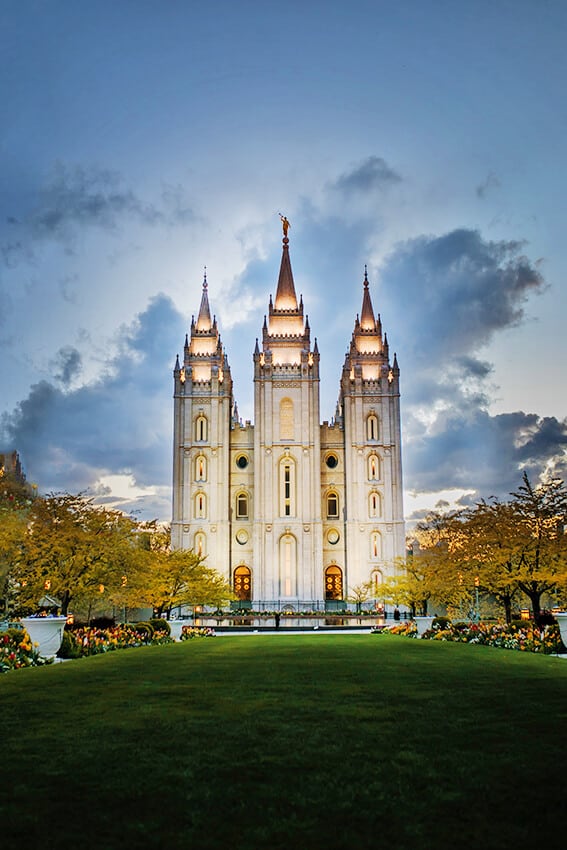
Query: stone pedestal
{"x": 47, "y": 632}
{"x": 562, "y": 622}
{"x": 423, "y": 624}
{"x": 176, "y": 627}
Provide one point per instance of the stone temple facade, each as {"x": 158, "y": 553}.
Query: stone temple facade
{"x": 294, "y": 513}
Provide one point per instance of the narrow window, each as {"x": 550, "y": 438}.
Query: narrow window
{"x": 201, "y": 429}
{"x": 374, "y": 508}
{"x": 201, "y": 468}
{"x": 372, "y": 427}
{"x": 200, "y": 543}
{"x": 242, "y": 506}
{"x": 375, "y": 545}
{"x": 287, "y": 488}
{"x": 373, "y": 468}
{"x": 200, "y": 506}
{"x": 332, "y": 506}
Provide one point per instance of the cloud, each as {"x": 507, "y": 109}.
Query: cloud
{"x": 458, "y": 290}
{"x": 486, "y": 453}
{"x": 66, "y": 365}
{"x": 75, "y": 198}
{"x": 120, "y": 423}
{"x": 488, "y": 184}
{"x": 372, "y": 174}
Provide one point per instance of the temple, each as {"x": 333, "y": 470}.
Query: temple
{"x": 295, "y": 514}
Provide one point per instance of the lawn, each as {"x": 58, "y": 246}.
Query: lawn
{"x": 287, "y": 741}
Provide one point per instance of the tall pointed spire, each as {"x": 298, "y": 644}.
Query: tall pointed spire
{"x": 286, "y": 299}
{"x": 204, "y": 318}
{"x": 367, "y": 321}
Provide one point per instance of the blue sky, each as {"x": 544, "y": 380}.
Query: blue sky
{"x": 142, "y": 141}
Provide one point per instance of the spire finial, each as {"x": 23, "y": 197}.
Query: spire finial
{"x": 285, "y": 226}
{"x": 205, "y": 284}
{"x": 365, "y": 275}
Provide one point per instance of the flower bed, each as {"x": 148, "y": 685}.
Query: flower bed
{"x": 17, "y": 651}
{"x": 190, "y": 632}
{"x": 525, "y": 637}
{"x": 84, "y": 640}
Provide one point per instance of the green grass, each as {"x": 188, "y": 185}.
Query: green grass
{"x": 289, "y": 742}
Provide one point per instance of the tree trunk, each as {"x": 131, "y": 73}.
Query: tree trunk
{"x": 534, "y": 595}
{"x": 65, "y": 600}
{"x": 507, "y": 602}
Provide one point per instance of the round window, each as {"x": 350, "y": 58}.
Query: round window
{"x": 242, "y": 461}
{"x": 332, "y": 461}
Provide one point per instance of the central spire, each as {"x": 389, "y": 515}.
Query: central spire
{"x": 286, "y": 299}
{"x": 204, "y": 318}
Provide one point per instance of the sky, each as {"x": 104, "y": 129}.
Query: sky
{"x": 142, "y": 141}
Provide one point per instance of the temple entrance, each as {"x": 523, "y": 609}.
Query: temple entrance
{"x": 333, "y": 583}
{"x": 243, "y": 583}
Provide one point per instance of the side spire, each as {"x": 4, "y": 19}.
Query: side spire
{"x": 204, "y": 318}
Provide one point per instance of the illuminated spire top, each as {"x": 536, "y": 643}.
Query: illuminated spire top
{"x": 286, "y": 298}
{"x": 204, "y": 319}
{"x": 367, "y": 321}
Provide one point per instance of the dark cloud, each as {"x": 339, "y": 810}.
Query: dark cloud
{"x": 74, "y": 198}
{"x": 457, "y": 290}
{"x": 374, "y": 173}
{"x": 488, "y": 184}
{"x": 473, "y": 367}
{"x": 118, "y": 424}
{"x": 66, "y": 365}
{"x": 485, "y": 453}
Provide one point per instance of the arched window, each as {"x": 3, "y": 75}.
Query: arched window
{"x": 373, "y": 468}
{"x": 201, "y": 468}
{"x": 200, "y": 505}
{"x": 376, "y": 582}
{"x": 242, "y": 583}
{"x": 287, "y": 487}
{"x": 375, "y": 545}
{"x": 374, "y": 505}
{"x": 288, "y": 566}
{"x": 200, "y": 547}
{"x": 332, "y": 505}
{"x": 242, "y": 506}
{"x": 201, "y": 430}
{"x": 333, "y": 582}
{"x": 286, "y": 419}
{"x": 372, "y": 427}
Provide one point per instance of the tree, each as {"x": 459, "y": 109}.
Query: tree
{"x": 496, "y": 548}
{"x": 492, "y": 551}
{"x": 540, "y": 514}
{"x": 71, "y": 549}
{"x": 15, "y": 501}
{"x": 360, "y": 593}
{"x": 177, "y": 577}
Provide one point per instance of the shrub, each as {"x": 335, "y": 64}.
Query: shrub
{"x": 144, "y": 628}
{"x": 441, "y": 624}
{"x": 69, "y": 647}
{"x": 103, "y": 623}
{"x": 160, "y": 625}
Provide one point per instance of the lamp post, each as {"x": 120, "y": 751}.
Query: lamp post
{"x": 476, "y": 605}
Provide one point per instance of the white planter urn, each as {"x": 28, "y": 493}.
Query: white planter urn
{"x": 175, "y": 628}
{"x": 47, "y": 632}
{"x": 562, "y": 622}
{"x": 423, "y": 624}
